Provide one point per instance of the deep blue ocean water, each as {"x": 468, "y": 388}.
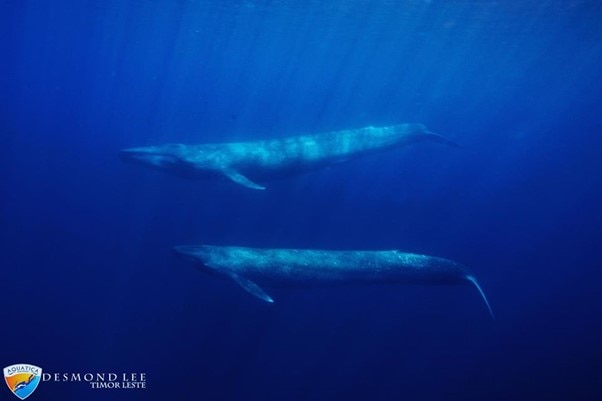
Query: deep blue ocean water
{"x": 89, "y": 283}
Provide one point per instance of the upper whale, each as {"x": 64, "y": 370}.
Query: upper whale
{"x": 247, "y": 162}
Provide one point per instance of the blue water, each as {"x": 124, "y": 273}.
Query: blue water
{"x": 88, "y": 280}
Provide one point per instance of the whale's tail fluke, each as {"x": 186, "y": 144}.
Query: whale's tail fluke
{"x": 474, "y": 281}
{"x": 441, "y": 139}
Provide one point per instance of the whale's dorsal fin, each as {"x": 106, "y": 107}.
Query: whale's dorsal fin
{"x": 241, "y": 179}
{"x": 251, "y": 287}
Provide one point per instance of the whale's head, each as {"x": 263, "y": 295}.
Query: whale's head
{"x": 190, "y": 253}
{"x": 198, "y": 255}
{"x": 163, "y": 156}
{"x": 174, "y": 158}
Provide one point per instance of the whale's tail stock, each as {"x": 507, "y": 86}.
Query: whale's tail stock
{"x": 474, "y": 281}
{"x": 431, "y": 136}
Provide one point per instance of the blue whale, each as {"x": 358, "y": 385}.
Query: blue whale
{"x": 253, "y": 268}
{"x": 247, "y": 162}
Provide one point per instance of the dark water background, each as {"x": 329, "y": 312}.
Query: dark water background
{"x": 88, "y": 281}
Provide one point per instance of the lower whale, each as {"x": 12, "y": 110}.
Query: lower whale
{"x": 247, "y": 162}
{"x": 252, "y": 268}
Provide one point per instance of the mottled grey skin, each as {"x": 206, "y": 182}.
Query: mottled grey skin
{"x": 245, "y": 162}
{"x": 252, "y": 267}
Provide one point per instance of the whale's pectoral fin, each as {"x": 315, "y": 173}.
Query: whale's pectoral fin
{"x": 251, "y": 287}
{"x": 241, "y": 179}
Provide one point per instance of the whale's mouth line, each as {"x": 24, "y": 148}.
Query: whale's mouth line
{"x": 148, "y": 157}
{"x": 186, "y": 252}
{"x": 183, "y": 250}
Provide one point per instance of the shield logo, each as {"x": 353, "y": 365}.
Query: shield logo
{"x": 22, "y": 379}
